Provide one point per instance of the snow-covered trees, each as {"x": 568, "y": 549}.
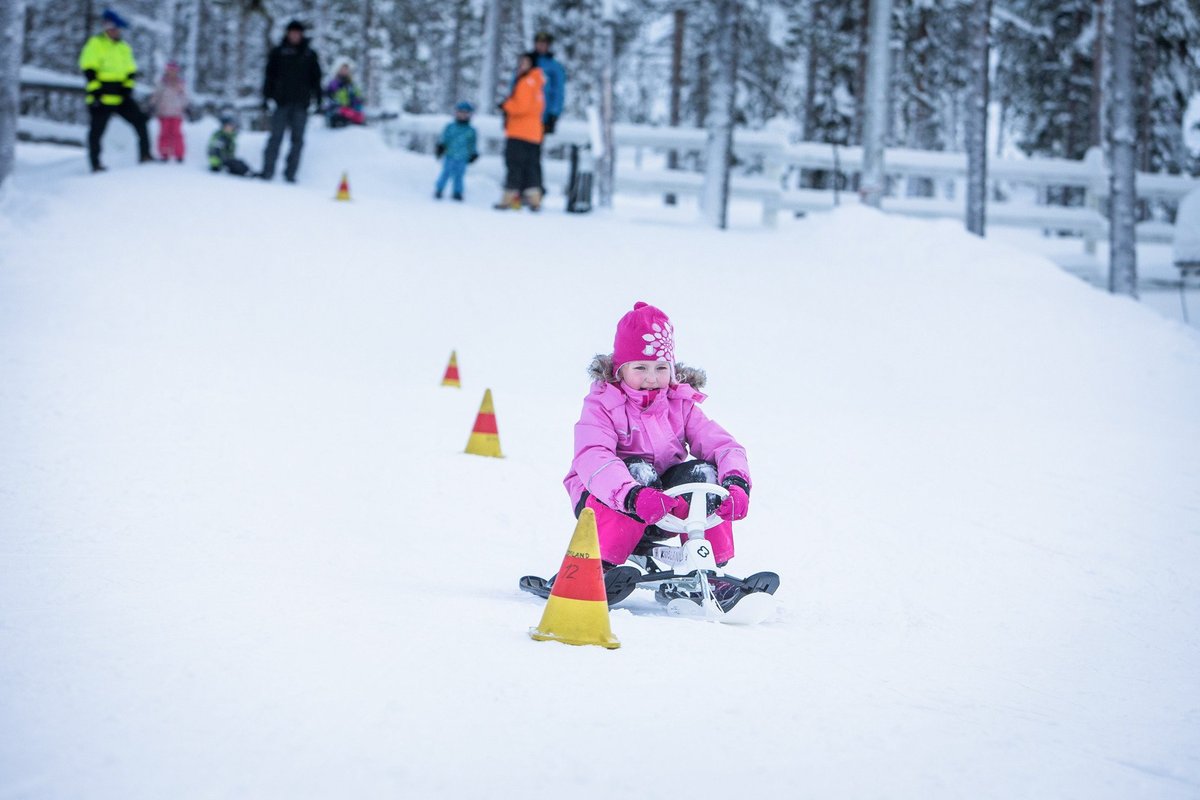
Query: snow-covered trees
{"x": 800, "y": 62}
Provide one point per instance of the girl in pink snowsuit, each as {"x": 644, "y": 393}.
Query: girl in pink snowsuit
{"x": 640, "y": 422}
{"x": 170, "y": 101}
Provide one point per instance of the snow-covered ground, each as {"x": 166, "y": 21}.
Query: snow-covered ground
{"x": 242, "y": 554}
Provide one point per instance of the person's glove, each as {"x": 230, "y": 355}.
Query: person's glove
{"x": 551, "y": 121}
{"x": 650, "y": 505}
{"x": 440, "y": 150}
{"x": 90, "y": 74}
{"x": 473, "y": 158}
{"x": 737, "y": 505}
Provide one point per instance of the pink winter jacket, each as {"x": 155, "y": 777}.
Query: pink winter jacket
{"x": 169, "y": 99}
{"x": 614, "y": 426}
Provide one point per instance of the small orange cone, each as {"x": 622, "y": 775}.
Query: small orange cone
{"x": 451, "y": 376}
{"x": 485, "y": 438}
{"x": 577, "y": 610}
{"x": 343, "y": 189}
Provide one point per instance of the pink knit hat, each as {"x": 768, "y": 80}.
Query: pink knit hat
{"x": 644, "y": 334}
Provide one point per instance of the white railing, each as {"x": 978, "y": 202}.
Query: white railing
{"x": 773, "y": 157}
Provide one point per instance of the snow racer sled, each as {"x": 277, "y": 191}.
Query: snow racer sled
{"x": 685, "y": 577}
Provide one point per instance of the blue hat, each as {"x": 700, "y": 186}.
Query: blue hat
{"x": 114, "y": 19}
{"x": 463, "y": 105}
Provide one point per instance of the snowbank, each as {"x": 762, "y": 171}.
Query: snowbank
{"x": 244, "y": 555}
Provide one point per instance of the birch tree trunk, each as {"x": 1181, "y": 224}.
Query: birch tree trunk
{"x": 12, "y": 45}
{"x": 876, "y": 113}
{"x": 365, "y": 51}
{"x": 977, "y": 117}
{"x": 808, "y": 123}
{"x": 191, "y": 47}
{"x": 719, "y": 152}
{"x": 454, "y": 79}
{"x": 1122, "y": 268}
{"x": 234, "y": 88}
{"x": 607, "y": 166}
{"x": 1098, "y": 116}
{"x": 491, "y": 53}
{"x": 676, "y": 88}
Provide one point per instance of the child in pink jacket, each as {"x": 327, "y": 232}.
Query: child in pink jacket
{"x": 170, "y": 102}
{"x": 640, "y": 423}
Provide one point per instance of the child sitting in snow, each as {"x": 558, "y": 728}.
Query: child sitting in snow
{"x": 222, "y": 149}
{"x": 640, "y": 422}
{"x": 345, "y": 101}
{"x": 457, "y": 147}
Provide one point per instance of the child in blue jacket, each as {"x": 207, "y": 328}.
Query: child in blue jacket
{"x": 457, "y": 146}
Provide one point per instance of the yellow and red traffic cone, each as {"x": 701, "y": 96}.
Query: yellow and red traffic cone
{"x": 485, "y": 437}
{"x": 451, "y": 376}
{"x": 577, "y": 609}
{"x": 343, "y": 192}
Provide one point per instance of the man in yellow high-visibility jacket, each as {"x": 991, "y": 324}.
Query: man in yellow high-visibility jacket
{"x": 107, "y": 63}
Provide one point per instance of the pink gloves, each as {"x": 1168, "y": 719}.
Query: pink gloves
{"x": 736, "y": 506}
{"x": 651, "y": 505}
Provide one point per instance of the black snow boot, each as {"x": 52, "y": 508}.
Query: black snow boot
{"x": 619, "y": 582}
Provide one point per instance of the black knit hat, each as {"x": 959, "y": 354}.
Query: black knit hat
{"x": 296, "y": 25}
{"x": 543, "y": 36}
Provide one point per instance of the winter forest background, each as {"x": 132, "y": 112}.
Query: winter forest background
{"x": 801, "y": 63}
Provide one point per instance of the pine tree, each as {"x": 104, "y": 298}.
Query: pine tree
{"x": 1046, "y": 60}
{"x": 1167, "y": 75}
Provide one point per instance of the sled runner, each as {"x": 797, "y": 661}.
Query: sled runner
{"x": 685, "y": 578}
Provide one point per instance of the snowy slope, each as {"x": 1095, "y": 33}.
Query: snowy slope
{"x": 243, "y": 555}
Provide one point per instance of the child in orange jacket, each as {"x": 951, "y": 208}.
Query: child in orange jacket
{"x": 523, "y": 143}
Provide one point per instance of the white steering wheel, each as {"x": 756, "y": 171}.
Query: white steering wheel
{"x": 698, "y": 519}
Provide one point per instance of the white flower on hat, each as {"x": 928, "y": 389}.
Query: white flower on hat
{"x": 661, "y": 343}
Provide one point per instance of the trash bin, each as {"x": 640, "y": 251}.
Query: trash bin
{"x": 579, "y": 185}
{"x": 1187, "y": 234}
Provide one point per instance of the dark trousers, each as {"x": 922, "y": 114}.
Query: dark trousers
{"x": 129, "y": 111}
{"x": 292, "y": 117}
{"x": 524, "y": 162}
{"x": 234, "y": 166}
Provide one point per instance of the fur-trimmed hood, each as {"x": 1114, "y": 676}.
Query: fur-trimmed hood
{"x": 601, "y": 369}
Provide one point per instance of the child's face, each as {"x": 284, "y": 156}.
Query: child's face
{"x": 229, "y": 128}
{"x": 646, "y": 374}
{"x": 462, "y": 116}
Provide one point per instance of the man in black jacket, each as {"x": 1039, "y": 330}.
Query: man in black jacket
{"x": 293, "y": 80}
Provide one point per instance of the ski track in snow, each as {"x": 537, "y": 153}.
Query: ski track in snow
{"x": 242, "y": 554}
